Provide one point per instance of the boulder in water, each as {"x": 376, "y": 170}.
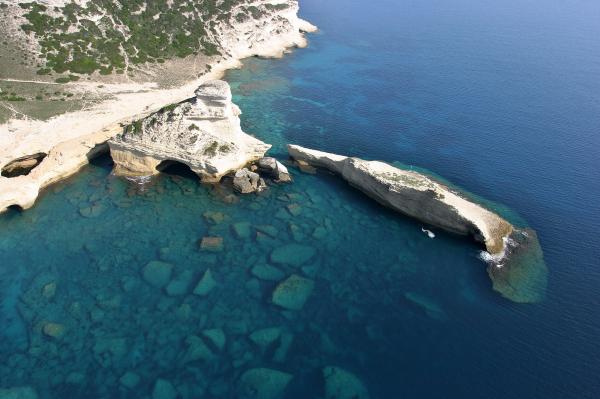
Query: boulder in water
{"x": 211, "y": 244}
{"x": 163, "y": 389}
{"x": 157, "y": 273}
{"x": 341, "y": 384}
{"x": 216, "y": 336}
{"x": 196, "y": 350}
{"x": 292, "y": 254}
{"x": 245, "y": 181}
{"x": 18, "y": 393}
{"x": 129, "y": 379}
{"x": 206, "y": 284}
{"x": 266, "y": 336}
{"x": 54, "y": 330}
{"x": 242, "y": 230}
{"x": 293, "y": 292}
{"x": 263, "y": 383}
{"x": 180, "y": 284}
{"x": 267, "y": 272}
{"x": 274, "y": 169}
{"x": 49, "y": 290}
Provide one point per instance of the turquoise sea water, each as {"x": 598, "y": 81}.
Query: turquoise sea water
{"x": 502, "y": 100}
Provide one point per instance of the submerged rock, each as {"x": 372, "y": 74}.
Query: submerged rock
{"x": 163, "y": 389}
{"x": 242, "y": 230}
{"x": 211, "y": 244}
{"x": 266, "y": 336}
{"x": 431, "y": 308}
{"x": 18, "y": 393}
{"x": 341, "y": 384}
{"x": 196, "y": 350}
{"x": 268, "y": 229}
{"x": 206, "y": 284}
{"x": 245, "y": 181}
{"x": 274, "y": 169}
{"x": 49, "y": 290}
{"x": 293, "y": 292}
{"x": 214, "y": 217}
{"x": 216, "y": 337}
{"x": 157, "y": 273}
{"x": 180, "y": 284}
{"x": 129, "y": 379}
{"x": 92, "y": 211}
{"x": 518, "y": 271}
{"x": 267, "y": 272}
{"x": 54, "y": 330}
{"x": 523, "y": 278}
{"x": 263, "y": 383}
{"x": 294, "y": 209}
{"x": 292, "y": 254}
{"x": 203, "y": 133}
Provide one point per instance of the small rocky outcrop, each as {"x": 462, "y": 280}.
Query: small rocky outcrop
{"x": 274, "y": 169}
{"x": 514, "y": 256}
{"x": 203, "y": 133}
{"x": 245, "y": 181}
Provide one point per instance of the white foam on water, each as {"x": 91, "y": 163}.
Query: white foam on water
{"x": 139, "y": 180}
{"x": 429, "y": 233}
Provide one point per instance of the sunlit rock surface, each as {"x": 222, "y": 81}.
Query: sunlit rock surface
{"x": 203, "y": 133}
{"x": 514, "y": 256}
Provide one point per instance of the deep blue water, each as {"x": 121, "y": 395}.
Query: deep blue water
{"x": 501, "y": 99}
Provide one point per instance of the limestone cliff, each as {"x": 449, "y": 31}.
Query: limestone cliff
{"x": 203, "y": 133}
{"x": 514, "y": 256}
{"x": 165, "y": 49}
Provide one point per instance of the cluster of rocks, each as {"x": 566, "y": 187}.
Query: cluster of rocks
{"x": 249, "y": 180}
{"x": 127, "y": 323}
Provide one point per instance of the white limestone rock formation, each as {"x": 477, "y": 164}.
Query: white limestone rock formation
{"x": 203, "y": 133}
{"x": 269, "y": 31}
{"x": 62, "y": 160}
{"x": 514, "y": 256}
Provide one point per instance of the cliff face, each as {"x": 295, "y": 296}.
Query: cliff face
{"x": 203, "y": 133}
{"x": 145, "y": 54}
{"x": 514, "y": 256}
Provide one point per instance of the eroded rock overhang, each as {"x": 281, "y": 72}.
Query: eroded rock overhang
{"x": 203, "y": 133}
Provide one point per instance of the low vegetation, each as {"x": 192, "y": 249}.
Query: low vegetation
{"x": 107, "y": 36}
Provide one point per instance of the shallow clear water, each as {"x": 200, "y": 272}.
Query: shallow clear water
{"x": 500, "y": 99}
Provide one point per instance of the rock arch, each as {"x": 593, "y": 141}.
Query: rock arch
{"x": 173, "y": 167}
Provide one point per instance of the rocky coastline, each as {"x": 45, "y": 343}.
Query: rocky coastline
{"x": 514, "y": 256}
{"x": 203, "y": 133}
{"x": 67, "y": 142}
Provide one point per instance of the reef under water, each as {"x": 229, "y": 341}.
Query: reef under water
{"x": 168, "y": 288}
{"x": 115, "y": 290}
